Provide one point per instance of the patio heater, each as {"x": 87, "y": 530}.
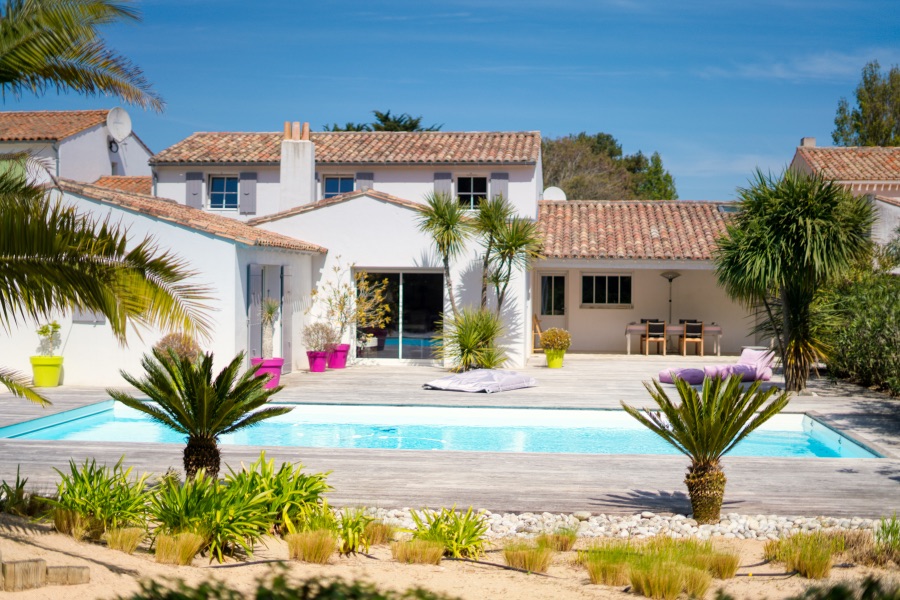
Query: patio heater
{"x": 670, "y": 275}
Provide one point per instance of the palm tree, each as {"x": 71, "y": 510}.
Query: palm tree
{"x": 54, "y": 44}
{"x": 705, "y": 426}
{"x": 53, "y": 259}
{"x": 791, "y": 235}
{"x": 516, "y": 246}
{"x": 444, "y": 219}
{"x": 493, "y": 214}
{"x": 189, "y": 401}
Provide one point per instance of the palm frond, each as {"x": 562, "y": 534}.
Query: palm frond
{"x": 19, "y": 385}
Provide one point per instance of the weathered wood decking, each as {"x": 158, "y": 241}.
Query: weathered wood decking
{"x": 529, "y": 482}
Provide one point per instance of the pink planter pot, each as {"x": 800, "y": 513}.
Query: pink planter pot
{"x": 268, "y": 366}
{"x": 317, "y": 361}
{"x": 337, "y": 358}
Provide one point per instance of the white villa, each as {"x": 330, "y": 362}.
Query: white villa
{"x": 271, "y": 214}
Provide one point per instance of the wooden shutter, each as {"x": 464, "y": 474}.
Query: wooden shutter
{"x": 287, "y": 319}
{"x": 442, "y": 183}
{"x": 254, "y": 303}
{"x": 500, "y": 185}
{"x": 247, "y": 201}
{"x": 194, "y": 189}
{"x": 365, "y": 181}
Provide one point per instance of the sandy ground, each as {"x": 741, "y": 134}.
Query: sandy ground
{"x": 115, "y": 574}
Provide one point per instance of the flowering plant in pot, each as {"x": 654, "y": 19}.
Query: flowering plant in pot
{"x": 555, "y": 342}
{"x": 318, "y": 337}
{"x": 46, "y": 366}
{"x": 268, "y": 364}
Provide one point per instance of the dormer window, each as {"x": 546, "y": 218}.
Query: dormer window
{"x": 223, "y": 193}
{"x": 471, "y": 191}
{"x": 335, "y": 186}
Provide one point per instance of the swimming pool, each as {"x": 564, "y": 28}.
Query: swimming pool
{"x": 442, "y": 428}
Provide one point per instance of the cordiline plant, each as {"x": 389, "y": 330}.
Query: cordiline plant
{"x": 461, "y": 533}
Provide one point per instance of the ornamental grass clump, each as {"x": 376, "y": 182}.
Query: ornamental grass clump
{"x": 809, "y": 554}
{"x": 528, "y": 557}
{"x": 418, "y": 551}
{"x": 561, "y": 540}
{"x": 315, "y": 547}
{"x": 125, "y": 539}
{"x": 179, "y": 549}
{"x": 705, "y": 426}
{"x": 379, "y": 533}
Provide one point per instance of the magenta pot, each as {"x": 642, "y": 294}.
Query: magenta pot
{"x": 268, "y": 366}
{"x": 337, "y": 358}
{"x": 317, "y": 361}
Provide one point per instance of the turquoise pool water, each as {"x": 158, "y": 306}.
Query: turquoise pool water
{"x": 443, "y": 428}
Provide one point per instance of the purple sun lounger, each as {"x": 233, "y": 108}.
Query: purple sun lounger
{"x": 753, "y": 365}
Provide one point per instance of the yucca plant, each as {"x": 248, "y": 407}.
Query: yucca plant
{"x": 187, "y": 399}
{"x": 469, "y": 340}
{"x": 352, "y": 524}
{"x": 705, "y": 426}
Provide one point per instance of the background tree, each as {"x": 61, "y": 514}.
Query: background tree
{"x": 592, "y": 167}
{"x": 55, "y": 44}
{"x": 875, "y": 120}
{"x": 792, "y": 235}
{"x": 385, "y": 121}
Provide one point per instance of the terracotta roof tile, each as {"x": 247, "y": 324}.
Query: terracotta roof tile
{"x": 353, "y": 147}
{"x": 854, "y": 163}
{"x": 47, "y": 125}
{"x": 169, "y": 210}
{"x": 298, "y": 210}
{"x": 138, "y": 185}
{"x": 892, "y": 200}
{"x": 652, "y": 230}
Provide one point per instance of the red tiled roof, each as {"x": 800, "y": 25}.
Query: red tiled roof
{"x": 854, "y": 163}
{"x": 49, "y": 125}
{"x": 652, "y": 230}
{"x": 892, "y": 200}
{"x": 138, "y": 185}
{"x": 173, "y": 212}
{"x": 335, "y": 200}
{"x": 362, "y": 147}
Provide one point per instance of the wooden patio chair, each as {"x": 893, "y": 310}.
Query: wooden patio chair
{"x": 656, "y": 332}
{"x": 536, "y": 334}
{"x": 693, "y": 334}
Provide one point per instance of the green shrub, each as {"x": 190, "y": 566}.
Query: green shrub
{"x": 810, "y": 554}
{"x": 311, "y": 546}
{"x": 556, "y": 339}
{"x": 422, "y": 552}
{"x": 352, "y": 525}
{"x": 462, "y": 534}
{"x": 312, "y": 517}
{"x": 522, "y": 555}
{"x": 91, "y": 499}
{"x": 469, "y": 340}
{"x": 13, "y": 498}
{"x": 561, "y": 540}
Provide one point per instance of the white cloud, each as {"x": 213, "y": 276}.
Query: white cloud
{"x": 822, "y": 66}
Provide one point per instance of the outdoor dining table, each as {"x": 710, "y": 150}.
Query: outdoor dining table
{"x": 713, "y": 331}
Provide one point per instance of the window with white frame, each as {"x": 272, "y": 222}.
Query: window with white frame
{"x": 223, "y": 192}
{"x": 605, "y": 290}
{"x": 471, "y": 191}
{"x": 337, "y": 185}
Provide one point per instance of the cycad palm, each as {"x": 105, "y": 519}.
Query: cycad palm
{"x": 54, "y": 44}
{"x": 705, "y": 426}
{"x": 191, "y": 402}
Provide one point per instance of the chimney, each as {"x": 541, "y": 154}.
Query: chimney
{"x": 298, "y": 167}
{"x": 808, "y": 142}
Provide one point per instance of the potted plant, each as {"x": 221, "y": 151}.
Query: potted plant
{"x": 268, "y": 364}
{"x": 317, "y": 337}
{"x": 47, "y": 368}
{"x": 555, "y": 342}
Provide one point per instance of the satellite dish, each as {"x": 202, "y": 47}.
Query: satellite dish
{"x": 554, "y": 193}
{"x": 119, "y": 124}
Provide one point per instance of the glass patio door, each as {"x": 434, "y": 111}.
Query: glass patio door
{"x": 551, "y": 310}
{"x": 416, "y": 301}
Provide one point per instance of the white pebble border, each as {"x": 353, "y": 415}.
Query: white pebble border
{"x": 643, "y": 525}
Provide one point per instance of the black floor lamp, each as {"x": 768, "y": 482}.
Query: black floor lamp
{"x": 670, "y": 275}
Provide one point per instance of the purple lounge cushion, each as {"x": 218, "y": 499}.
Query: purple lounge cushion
{"x": 692, "y": 376}
{"x": 760, "y": 359}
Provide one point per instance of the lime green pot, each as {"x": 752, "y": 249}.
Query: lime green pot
{"x": 554, "y": 358}
{"x": 47, "y": 370}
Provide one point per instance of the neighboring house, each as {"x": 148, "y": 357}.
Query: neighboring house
{"x": 874, "y": 171}
{"x": 73, "y": 144}
{"x": 239, "y": 263}
{"x": 137, "y": 185}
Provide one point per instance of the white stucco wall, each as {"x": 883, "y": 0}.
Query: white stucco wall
{"x": 695, "y": 295}
{"x": 86, "y": 156}
{"x": 170, "y": 183}
{"x": 887, "y": 220}
{"x": 381, "y": 236}
{"x": 43, "y": 153}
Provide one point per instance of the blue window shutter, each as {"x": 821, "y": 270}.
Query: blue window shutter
{"x": 500, "y": 185}
{"x": 365, "y": 181}
{"x": 287, "y": 319}
{"x": 247, "y": 202}
{"x": 442, "y": 183}
{"x": 194, "y": 189}
{"x": 254, "y": 304}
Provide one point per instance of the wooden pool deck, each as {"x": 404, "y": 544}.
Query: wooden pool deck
{"x": 527, "y": 482}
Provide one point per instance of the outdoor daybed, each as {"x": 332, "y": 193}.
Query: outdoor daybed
{"x": 482, "y": 380}
{"x": 753, "y": 365}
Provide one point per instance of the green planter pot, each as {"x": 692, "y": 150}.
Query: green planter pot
{"x": 47, "y": 370}
{"x": 554, "y": 358}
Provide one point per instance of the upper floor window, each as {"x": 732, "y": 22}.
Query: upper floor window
{"x": 335, "y": 186}
{"x": 471, "y": 191}
{"x": 606, "y": 290}
{"x": 223, "y": 192}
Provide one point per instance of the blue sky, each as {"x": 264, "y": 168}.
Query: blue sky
{"x": 718, "y": 88}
